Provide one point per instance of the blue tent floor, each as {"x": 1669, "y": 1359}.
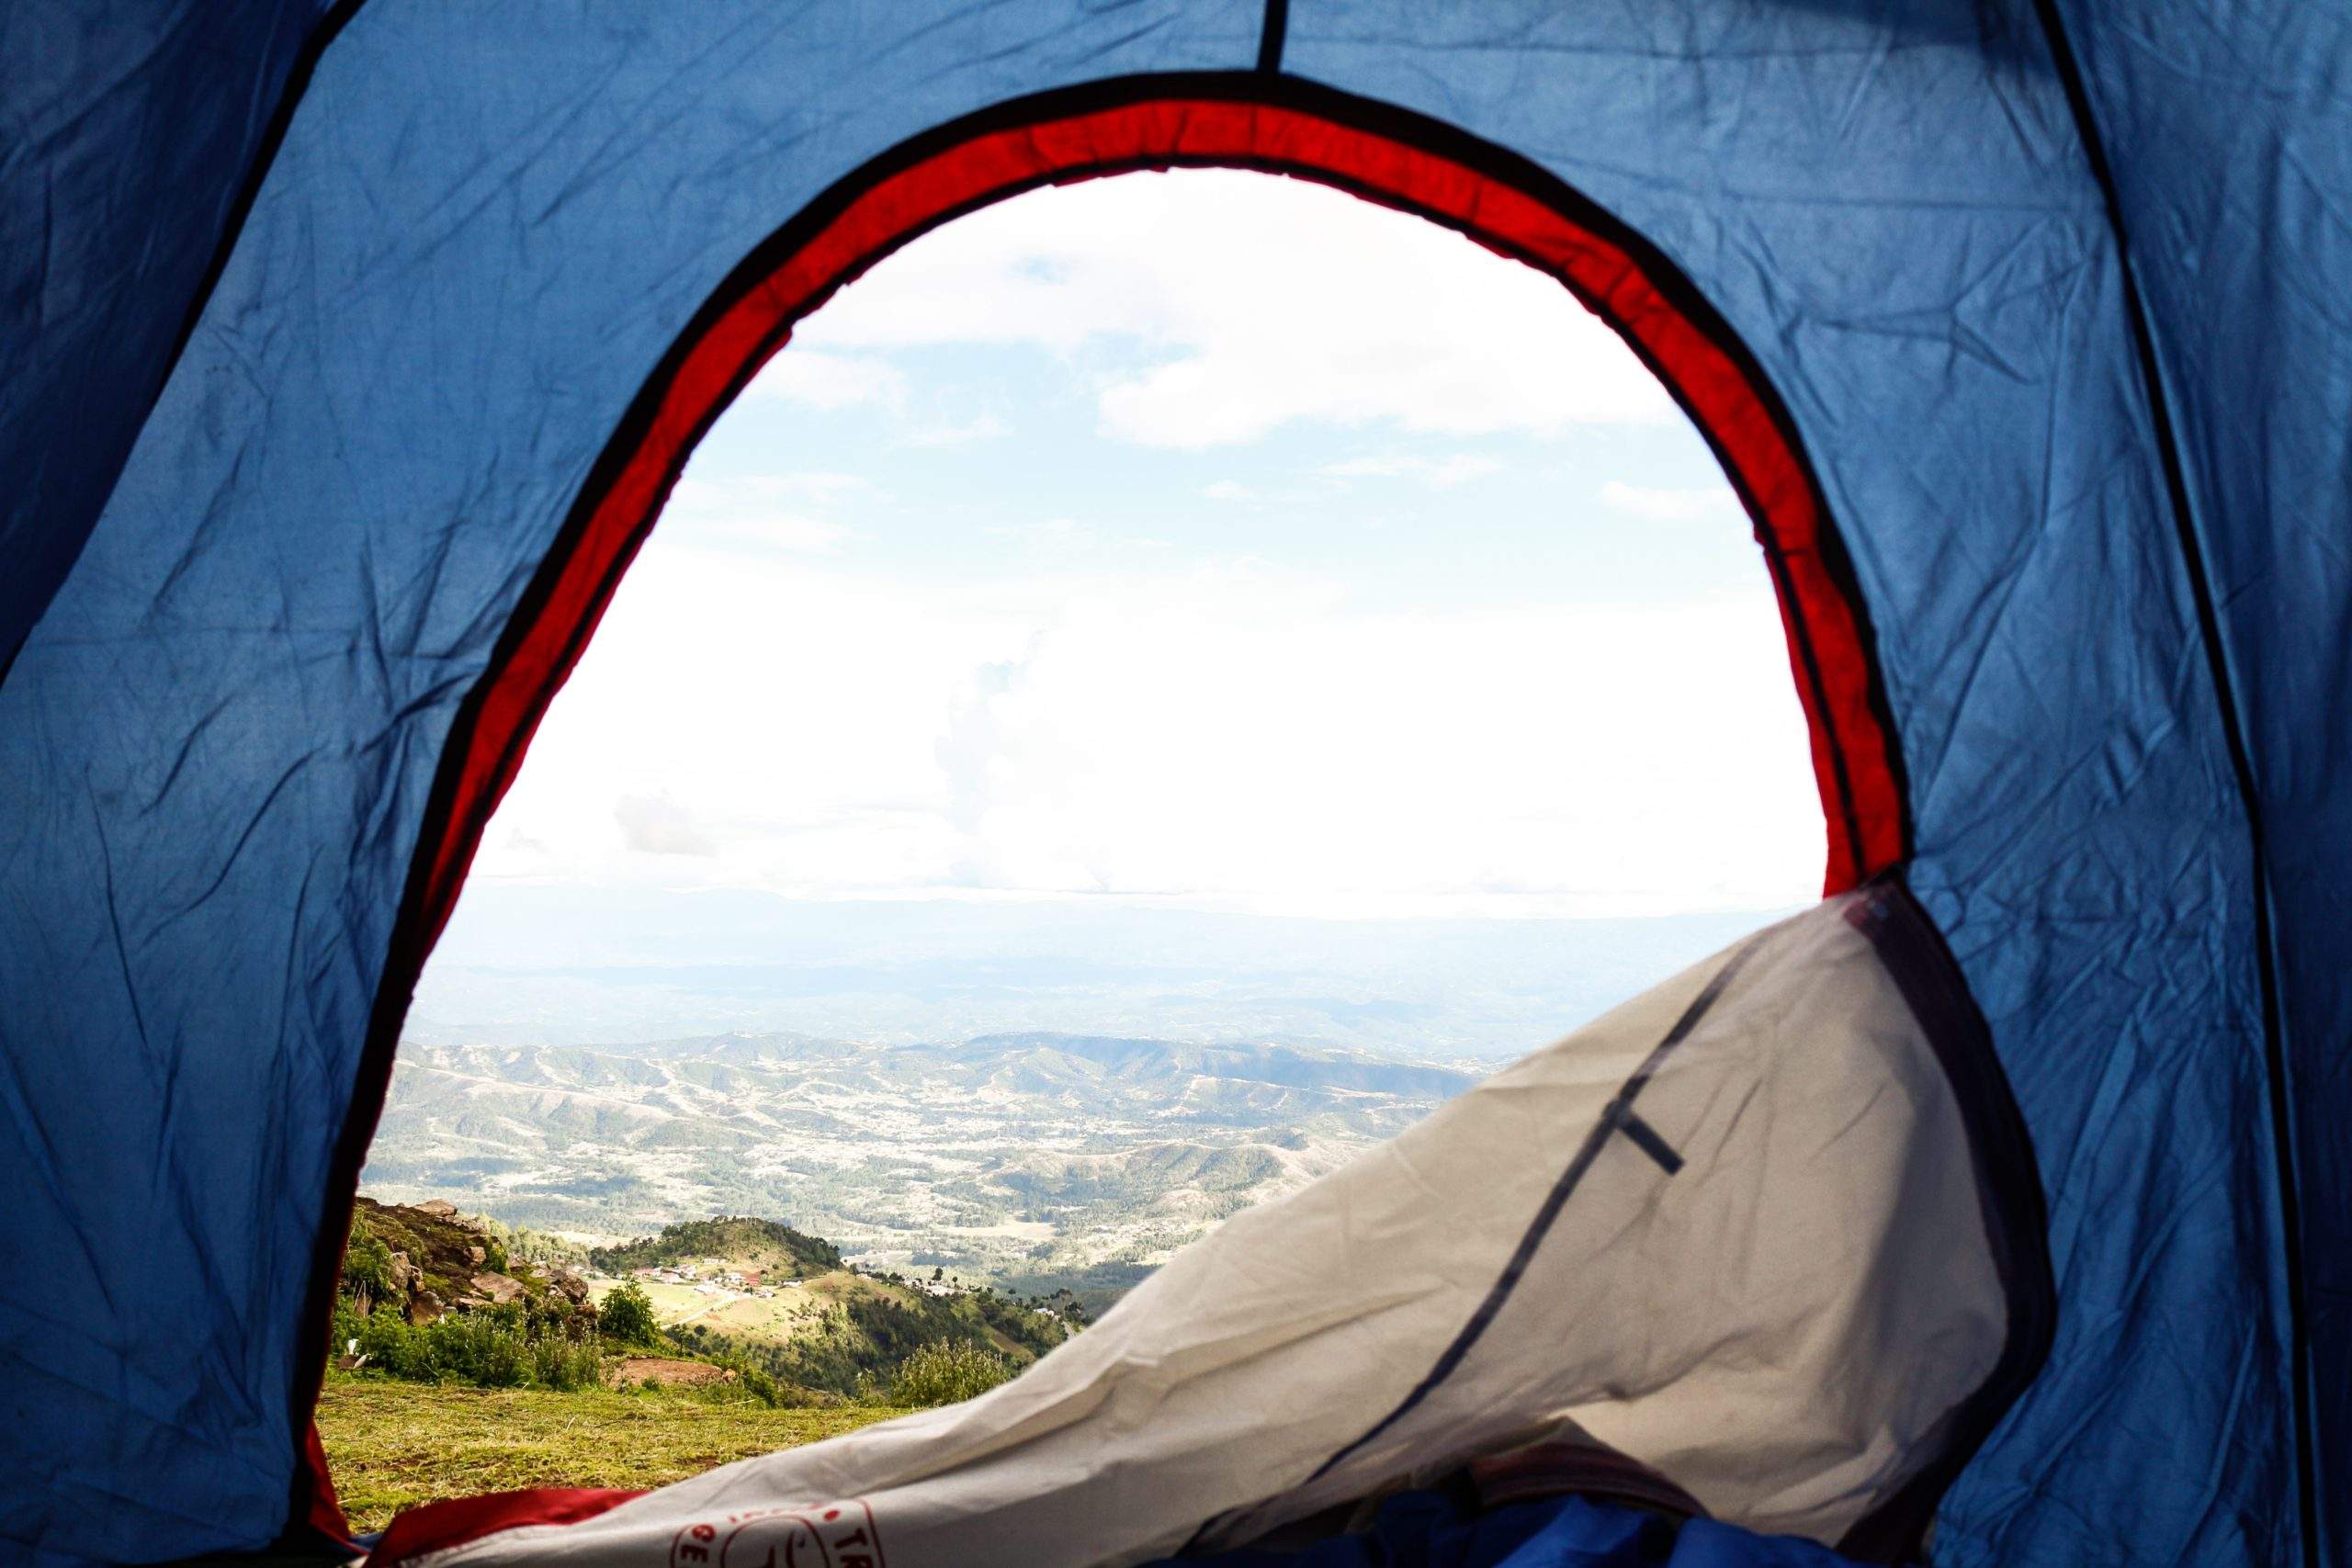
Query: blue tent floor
{"x": 1428, "y": 1529}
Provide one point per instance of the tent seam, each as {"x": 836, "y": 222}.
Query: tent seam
{"x": 232, "y": 225}
{"x": 1271, "y": 36}
{"x": 2277, "y": 1071}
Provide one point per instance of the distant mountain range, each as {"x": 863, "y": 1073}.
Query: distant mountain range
{"x": 1031, "y": 1157}
{"x": 1127, "y": 1075}
{"x": 579, "y": 966}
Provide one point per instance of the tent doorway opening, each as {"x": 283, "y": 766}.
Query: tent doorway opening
{"x": 1165, "y": 681}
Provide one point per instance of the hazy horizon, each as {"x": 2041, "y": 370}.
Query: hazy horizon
{"x": 617, "y": 966}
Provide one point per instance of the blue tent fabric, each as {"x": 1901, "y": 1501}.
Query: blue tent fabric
{"x": 2129, "y": 1020}
{"x": 2053, "y": 297}
{"x": 2240, "y": 232}
{"x": 1426, "y": 1530}
{"x": 102, "y": 256}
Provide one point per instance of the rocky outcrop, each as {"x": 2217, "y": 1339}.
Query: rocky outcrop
{"x": 426, "y": 1259}
{"x": 498, "y": 1290}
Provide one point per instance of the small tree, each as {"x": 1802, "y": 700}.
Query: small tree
{"x": 625, "y": 1316}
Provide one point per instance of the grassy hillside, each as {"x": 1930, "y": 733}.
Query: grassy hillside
{"x": 755, "y": 1303}
{"x": 810, "y": 1321}
{"x": 1090, "y": 1292}
{"x": 739, "y": 1242}
{"x": 395, "y": 1445}
{"x": 844, "y": 1333}
{"x": 426, "y": 1295}
{"x": 453, "y": 1376}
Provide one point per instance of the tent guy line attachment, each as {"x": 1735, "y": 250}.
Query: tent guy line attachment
{"x": 1646, "y": 1138}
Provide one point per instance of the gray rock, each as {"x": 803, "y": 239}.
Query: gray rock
{"x": 500, "y": 1289}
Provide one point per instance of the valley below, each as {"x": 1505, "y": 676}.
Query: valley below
{"x": 1034, "y": 1162}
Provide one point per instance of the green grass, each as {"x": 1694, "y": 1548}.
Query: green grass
{"x": 394, "y": 1445}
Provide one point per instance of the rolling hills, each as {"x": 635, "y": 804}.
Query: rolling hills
{"x": 1030, "y": 1158}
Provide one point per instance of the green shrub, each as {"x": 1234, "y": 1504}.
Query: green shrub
{"x": 480, "y": 1349}
{"x": 566, "y": 1364}
{"x": 392, "y": 1347}
{"x": 486, "y": 1348}
{"x": 367, "y": 1266}
{"x": 947, "y": 1373}
{"x": 350, "y": 1324}
{"x": 489, "y": 1349}
{"x": 625, "y": 1316}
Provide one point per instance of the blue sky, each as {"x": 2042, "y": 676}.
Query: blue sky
{"x": 1203, "y": 540}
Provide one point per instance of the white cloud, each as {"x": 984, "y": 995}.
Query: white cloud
{"x": 755, "y": 512}
{"x": 1438, "y": 473}
{"x": 1054, "y": 529}
{"x": 1231, "y": 735}
{"x": 1234, "y": 732}
{"x": 987, "y": 427}
{"x": 1069, "y": 537}
{"x": 658, "y": 825}
{"x": 1696, "y": 505}
{"x": 1227, "y": 490}
{"x": 814, "y": 378}
{"x": 1228, "y": 331}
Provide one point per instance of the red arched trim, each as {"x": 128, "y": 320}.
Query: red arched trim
{"x": 437, "y": 1526}
{"x": 1263, "y": 121}
{"x": 1724, "y": 397}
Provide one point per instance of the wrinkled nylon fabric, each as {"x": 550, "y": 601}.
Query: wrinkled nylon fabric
{"x": 2237, "y": 226}
{"x": 482, "y": 232}
{"x": 1762, "y": 1153}
{"x": 220, "y": 737}
{"x": 126, "y": 132}
{"x": 1894, "y": 210}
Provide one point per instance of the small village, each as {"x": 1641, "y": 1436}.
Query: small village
{"x": 709, "y": 1277}
{"x": 715, "y": 1278}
